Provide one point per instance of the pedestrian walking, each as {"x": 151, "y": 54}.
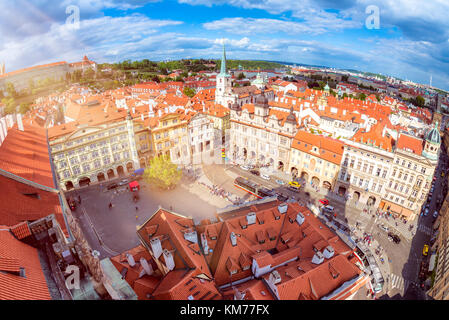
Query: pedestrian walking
{"x": 110, "y": 205}
{"x": 79, "y": 199}
{"x": 137, "y": 208}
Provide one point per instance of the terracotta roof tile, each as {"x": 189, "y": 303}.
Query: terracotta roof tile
{"x": 13, "y": 256}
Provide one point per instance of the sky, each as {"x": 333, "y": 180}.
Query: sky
{"x": 408, "y": 39}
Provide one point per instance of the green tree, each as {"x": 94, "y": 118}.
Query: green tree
{"x": 241, "y": 76}
{"x": 24, "y": 107}
{"x": 189, "y": 92}
{"x": 419, "y": 101}
{"x": 89, "y": 74}
{"x": 11, "y": 90}
{"x": 361, "y": 96}
{"x": 10, "y": 105}
{"x": 162, "y": 173}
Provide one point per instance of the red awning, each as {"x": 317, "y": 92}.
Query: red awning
{"x": 134, "y": 184}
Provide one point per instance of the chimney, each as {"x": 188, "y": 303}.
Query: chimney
{"x": 146, "y": 266}
{"x": 156, "y": 247}
{"x": 233, "y": 239}
{"x": 134, "y": 110}
{"x": 9, "y": 120}
{"x": 283, "y": 208}
{"x": 2, "y": 134}
{"x": 130, "y": 259}
{"x": 251, "y": 218}
{"x": 318, "y": 258}
{"x": 204, "y": 244}
{"x": 169, "y": 262}
{"x": 191, "y": 236}
{"x": 159, "y": 112}
{"x": 275, "y": 277}
{"x": 142, "y": 117}
{"x": 300, "y": 218}
{"x": 328, "y": 252}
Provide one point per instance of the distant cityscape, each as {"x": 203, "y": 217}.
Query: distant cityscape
{"x": 191, "y": 180}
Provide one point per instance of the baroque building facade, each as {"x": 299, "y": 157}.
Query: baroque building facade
{"x": 95, "y": 151}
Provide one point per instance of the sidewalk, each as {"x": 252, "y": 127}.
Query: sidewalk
{"x": 200, "y": 189}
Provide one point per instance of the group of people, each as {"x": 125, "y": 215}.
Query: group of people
{"x": 217, "y": 191}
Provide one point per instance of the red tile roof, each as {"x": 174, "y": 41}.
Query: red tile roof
{"x": 25, "y": 154}
{"x": 13, "y": 256}
{"x": 21, "y": 230}
{"x": 171, "y": 228}
{"x": 410, "y": 143}
{"x": 329, "y": 149}
{"x": 182, "y": 284}
{"x": 143, "y": 284}
{"x": 16, "y": 72}
{"x": 21, "y": 202}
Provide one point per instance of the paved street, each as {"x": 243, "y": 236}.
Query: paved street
{"x": 112, "y": 231}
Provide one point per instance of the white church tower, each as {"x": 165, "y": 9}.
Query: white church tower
{"x": 223, "y": 91}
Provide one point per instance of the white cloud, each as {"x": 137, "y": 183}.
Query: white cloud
{"x": 248, "y": 26}
{"x": 95, "y": 37}
{"x": 244, "y": 42}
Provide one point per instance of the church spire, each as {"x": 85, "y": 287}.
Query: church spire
{"x": 223, "y": 61}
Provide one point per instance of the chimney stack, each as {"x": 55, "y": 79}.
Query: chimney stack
{"x": 19, "y": 122}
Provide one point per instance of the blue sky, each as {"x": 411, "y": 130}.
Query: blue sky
{"x": 412, "y": 40}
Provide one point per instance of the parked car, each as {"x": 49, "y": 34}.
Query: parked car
{"x": 324, "y": 201}
{"x": 112, "y": 186}
{"x": 426, "y": 212}
{"x": 394, "y": 237}
{"x": 425, "y": 250}
{"x": 328, "y": 209}
{"x": 255, "y": 172}
{"x": 123, "y": 182}
{"x": 265, "y": 176}
{"x": 383, "y": 227}
{"x": 292, "y": 188}
{"x": 294, "y": 184}
{"x": 244, "y": 167}
{"x": 435, "y": 214}
{"x": 281, "y": 197}
{"x": 280, "y": 182}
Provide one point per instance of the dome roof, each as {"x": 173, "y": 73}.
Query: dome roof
{"x": 262, "y": 100}
{"x": 291, "y": 117}
{"x": 433, "y": 135}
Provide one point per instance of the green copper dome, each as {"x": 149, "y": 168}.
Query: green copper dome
{"x": 433, "y": 136}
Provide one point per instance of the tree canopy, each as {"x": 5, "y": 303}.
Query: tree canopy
{"x": 189, "y": 92}
{"x": 162, "y": 173}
